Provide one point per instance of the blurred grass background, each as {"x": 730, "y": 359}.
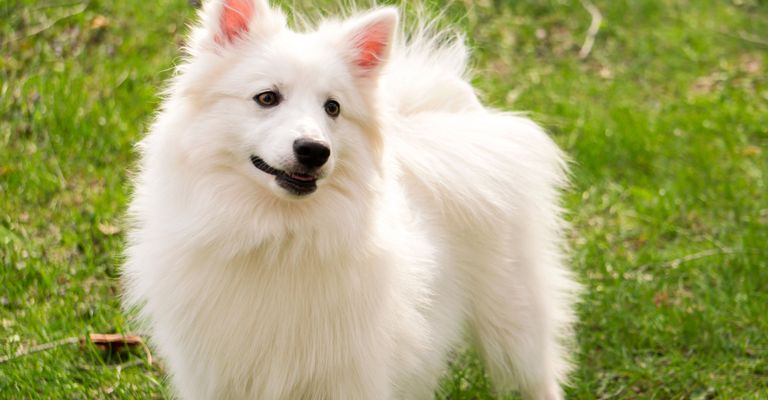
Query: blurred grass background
{"x": 666, "y": 120}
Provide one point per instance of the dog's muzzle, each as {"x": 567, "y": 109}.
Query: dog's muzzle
{"x": 296, "y": 183}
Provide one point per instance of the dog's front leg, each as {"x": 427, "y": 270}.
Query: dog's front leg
{"x": 366, "y": 379}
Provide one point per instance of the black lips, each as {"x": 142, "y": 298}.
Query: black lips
{"x": 298, "y": 184}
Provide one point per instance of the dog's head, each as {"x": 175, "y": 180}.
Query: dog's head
{"x": 289, "y": 111}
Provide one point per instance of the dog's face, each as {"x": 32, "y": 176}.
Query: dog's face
{"x": 286, "y": 110}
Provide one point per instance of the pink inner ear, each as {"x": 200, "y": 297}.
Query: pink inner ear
{"x": 235, "y": 18}
{"x": 372, "y": 43}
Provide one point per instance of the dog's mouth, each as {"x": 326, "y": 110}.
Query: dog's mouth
{"x": 296, "y": 183}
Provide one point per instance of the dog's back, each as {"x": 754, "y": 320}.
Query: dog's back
{"x": 489, "y": 182}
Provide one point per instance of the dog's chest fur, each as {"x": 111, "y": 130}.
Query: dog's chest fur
{"x": 274, "y": 326}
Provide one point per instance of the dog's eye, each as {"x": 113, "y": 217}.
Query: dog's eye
{"x": 332, "y": 108}
{"x": 267, "y": 99}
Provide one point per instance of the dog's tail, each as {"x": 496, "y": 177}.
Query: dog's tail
{"x": 428, "y": 71}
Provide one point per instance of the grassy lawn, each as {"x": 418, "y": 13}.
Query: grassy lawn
{"x": 666, "y": 120}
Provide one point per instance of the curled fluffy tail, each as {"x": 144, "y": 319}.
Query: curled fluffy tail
{"x": 428, "y": 72}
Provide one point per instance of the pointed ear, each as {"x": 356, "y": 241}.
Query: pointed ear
{"x": 369, "y": 39}
{"x": 229, "y": 20}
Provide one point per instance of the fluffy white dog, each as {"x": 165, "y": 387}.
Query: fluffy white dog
{"x": 326, "y": 214}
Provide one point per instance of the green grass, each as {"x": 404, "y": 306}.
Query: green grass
{"x": 666, "y": 121}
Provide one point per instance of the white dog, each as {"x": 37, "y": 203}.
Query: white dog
{"x": 327, "y": 214}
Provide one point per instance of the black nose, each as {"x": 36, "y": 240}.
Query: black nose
{"x": 310, "y": 153}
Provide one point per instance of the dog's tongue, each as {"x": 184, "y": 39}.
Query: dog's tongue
{"x": 302, "y": 177}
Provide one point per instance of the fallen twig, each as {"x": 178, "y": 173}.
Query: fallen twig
{"x": 674, "y": 263}
{"x": 752, "y": 38}
{"x": 49, "y": 24}
{"x": 745, "y": 36}
{"x": 111, "y": 342}
{"x": 42, "y": 347}
{"x": 695, "y": 256}
{"x": 594, "y": 27}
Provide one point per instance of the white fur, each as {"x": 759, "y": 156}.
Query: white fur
{"x": 435, "y": 220}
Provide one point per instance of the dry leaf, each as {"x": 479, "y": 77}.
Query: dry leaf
{"x": 99, "y": 22}
{"x": 709, "y": 84}
{"x": 751, "y": 150}
{"x": 751, "y": 64}
{"x": 108, "y": 229}
{"x": 112, "y": 341}
{"x": 605, "y": 73}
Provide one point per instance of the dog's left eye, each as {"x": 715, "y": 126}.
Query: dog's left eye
{"x": 332, "y": 108}
{"x": 267, "y": 99}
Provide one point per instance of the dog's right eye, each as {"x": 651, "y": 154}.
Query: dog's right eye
{"x": 267, "y": 99}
